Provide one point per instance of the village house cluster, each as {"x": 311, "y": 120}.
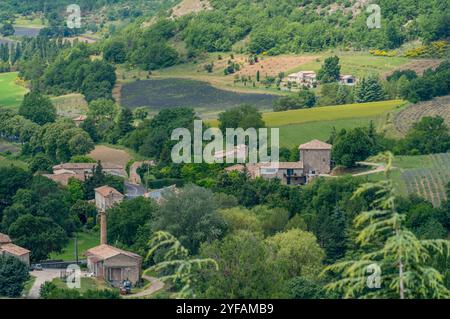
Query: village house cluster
{"x": 115, "y": 265}
{"x": 315, "y": 160}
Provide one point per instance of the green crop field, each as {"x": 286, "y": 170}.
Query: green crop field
{"x": 299, "y": 126}
{"x": 85, "y": 241}
{"x": 423, "y": 175}
{"x": 330, "y": 113}
{"x": 296, "y": 134}
{"x": 11, "y": 94}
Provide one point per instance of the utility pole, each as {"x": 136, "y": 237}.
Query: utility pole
{"x": 76, "y": 248}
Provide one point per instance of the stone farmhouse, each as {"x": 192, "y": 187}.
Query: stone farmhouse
{"x": 62, "y": 173}
{"x": 315, "y": 160}
{"x": 309, "y": 79}
{"x": 86, "y": 168}
{"x": 106, "y": 262}
{"x": 303, "y": 78}
{"x": 347, "y": 79}
{"x": 7, "y": 248}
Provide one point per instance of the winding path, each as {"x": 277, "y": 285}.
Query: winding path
{"x": 156, "y": 285}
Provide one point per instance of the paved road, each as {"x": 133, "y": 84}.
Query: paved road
{"x": 133, "y": 190}
{"x": 42, "y": 277}
{"x": 156, "y": 285}
{"x": 134, "y": 176}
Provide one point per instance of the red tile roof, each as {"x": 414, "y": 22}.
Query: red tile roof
{"x": 14, "y": 249}
{"x": 4, "y": 239}
{"x": 107, "y": 191}
{"x": 316, "y": 145}
{"x": 86, "y": 166}
{"x": 104, "y": 252}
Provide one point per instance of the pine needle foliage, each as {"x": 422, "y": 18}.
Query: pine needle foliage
{"x": 384, "y": 243}
{"x": 177, "y": 267}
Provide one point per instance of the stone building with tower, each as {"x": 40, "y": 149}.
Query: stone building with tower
{"x": 315, "y": 160}
{"x": 107, "y": 262}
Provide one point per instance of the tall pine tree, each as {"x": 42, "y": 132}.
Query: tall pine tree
{"x": 390, "y": 261}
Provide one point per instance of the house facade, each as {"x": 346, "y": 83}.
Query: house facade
{"x": 86, "y": 168}
{"x": 303, "y": 78}
{"x": 114, "y": 265}
{"x": 347, "y": 79}
{"x": 106, "y": 262}
{"x": 7, "y": 248}
{"x": 106, "y": 197}
{"x": 315, "y": 159}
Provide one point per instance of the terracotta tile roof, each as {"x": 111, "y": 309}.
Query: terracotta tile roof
{"x": 104, "y": 252}
{"x": 63, "y": 179}
{"x": 80, "y": 118}
{"x": 237, "y": 167}
{"x": 289, "y": 165}
{"x": 316, "y": 145}
{"x": 86, "y": 166}
{"x": 14, "y": 249}
{"x": 106, "y": 191}
{"x": 4, "y": 239}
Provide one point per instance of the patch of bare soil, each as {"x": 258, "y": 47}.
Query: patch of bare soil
{"x": 267, "y": 66}
{"x": 418, "y": 65}
{"x": 190, "y": 6}
{"x": 107, "y": 154}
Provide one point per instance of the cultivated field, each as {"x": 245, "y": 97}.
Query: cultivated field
{"x": 424, "y": 175}
{"x": 412, "y": 114}
{"x": 70, "y": 105}
{"x": 267, "y": 66}
{"x": 11, "y": 94}
{"x": 356, "y": 63}
{"x": 111, "y": 155}
{"x": 330, "y": 113}
{"x": 296, "y": 134}
{"x": 299, "y": 126}
{"x": 419, "y": 65}
{"x": 165, "y": 93}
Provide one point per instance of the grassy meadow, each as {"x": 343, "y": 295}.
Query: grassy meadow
{"x": 86, "y": 284}
{"x": 11, "y": 94}
{"x": 299, "y": 126}
{"x": 356, "y": 63}
{"x": 86, "y": 240}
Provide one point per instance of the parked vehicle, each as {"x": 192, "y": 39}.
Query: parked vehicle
{"x": 37, "y": 267}
{"x": 125, "y": 288}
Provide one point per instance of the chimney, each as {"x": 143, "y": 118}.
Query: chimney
{"x": 103, "y": 229}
